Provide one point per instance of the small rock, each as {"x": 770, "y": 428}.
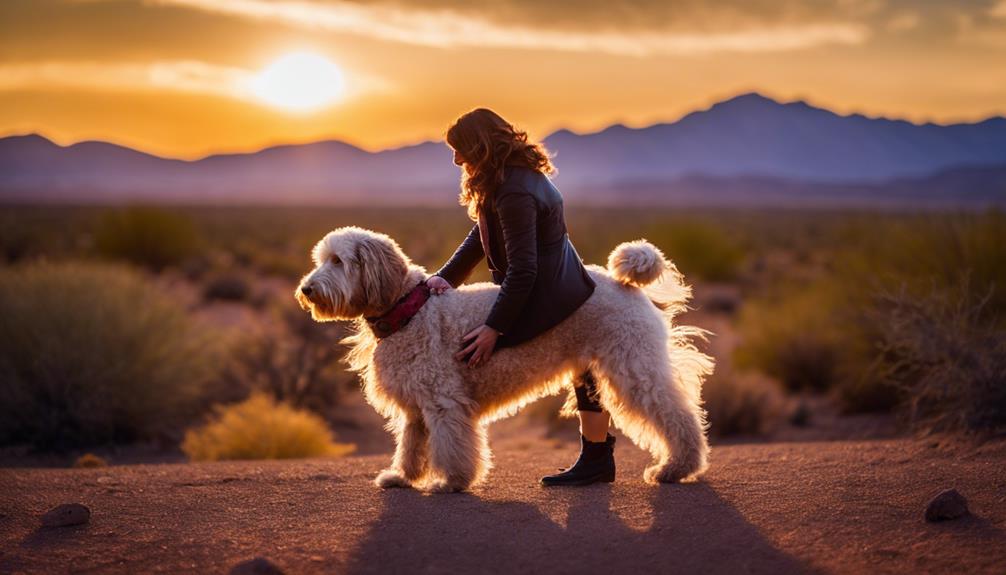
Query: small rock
{"x": 66, "y": 515}
{"x": 256, "y": 566}
{"x": 949, "y": 504}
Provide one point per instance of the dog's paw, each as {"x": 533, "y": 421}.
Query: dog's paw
{"x": 444, "y": 486}
{"x": 668, "y": 473}
{"x": 391, "y": 478}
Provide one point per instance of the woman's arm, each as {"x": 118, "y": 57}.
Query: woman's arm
{"x": 518, "y": 214}
{"x": 460, "y": 266}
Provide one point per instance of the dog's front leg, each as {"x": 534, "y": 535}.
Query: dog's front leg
{"x": 459, "y": 453}
{"x": 410, "y": 461}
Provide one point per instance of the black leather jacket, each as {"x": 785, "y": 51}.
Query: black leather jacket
{"x": 522, "y": 234}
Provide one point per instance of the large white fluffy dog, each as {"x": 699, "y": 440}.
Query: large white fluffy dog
{"x": 649, "y": 373}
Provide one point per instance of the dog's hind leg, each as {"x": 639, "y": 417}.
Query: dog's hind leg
{"x": 410, "y": 460}
{"x": 651, "y": 407}
{"x": 459, "y": 451}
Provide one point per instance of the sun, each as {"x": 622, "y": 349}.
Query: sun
{"x": 299, "y": 82}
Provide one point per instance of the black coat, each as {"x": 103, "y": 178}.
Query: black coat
{"x": 522, "y": 234}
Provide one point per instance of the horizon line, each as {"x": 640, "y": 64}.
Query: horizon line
{"x": 743, "y": 94}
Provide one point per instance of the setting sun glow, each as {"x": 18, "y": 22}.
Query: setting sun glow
{"x": 299, "y": 82}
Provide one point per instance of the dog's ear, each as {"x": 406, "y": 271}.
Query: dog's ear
{"x": 382, "y": 271}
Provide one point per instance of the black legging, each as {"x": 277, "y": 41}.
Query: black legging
{"x": 586, "y": 394}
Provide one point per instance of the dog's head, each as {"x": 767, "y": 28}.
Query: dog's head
{"x": 357, "y": 273}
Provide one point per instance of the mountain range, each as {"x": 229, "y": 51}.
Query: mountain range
{"x": 747, "y": 150}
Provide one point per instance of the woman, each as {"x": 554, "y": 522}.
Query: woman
{"x": 521, "y": 231}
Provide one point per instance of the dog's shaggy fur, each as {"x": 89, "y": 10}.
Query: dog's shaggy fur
{"x": 649, "y": 373}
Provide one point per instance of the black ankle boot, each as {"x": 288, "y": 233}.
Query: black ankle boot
{"x": 596, "y": 464}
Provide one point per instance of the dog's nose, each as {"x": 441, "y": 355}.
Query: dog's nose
{"x": 306, "y": 290}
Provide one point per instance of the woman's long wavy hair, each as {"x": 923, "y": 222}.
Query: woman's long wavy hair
{"x": 487, "y": 143}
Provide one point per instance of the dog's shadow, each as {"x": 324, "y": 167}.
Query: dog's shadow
{"x": 601, "y": 528}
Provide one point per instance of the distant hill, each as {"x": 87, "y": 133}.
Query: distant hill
{"x": 748, "y": 149}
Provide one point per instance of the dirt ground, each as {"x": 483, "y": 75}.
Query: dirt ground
{"x": 834, "y": 507}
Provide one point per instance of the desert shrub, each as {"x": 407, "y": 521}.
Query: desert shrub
{"x": 699, "y": 249}
{"x": 150, "y": 237}
{"x": 547, "y": 412}
{"x": 15, "y": 243}
{"x": 741, "y": 403}
{"x": 260, "y": 428}
{"x": 285, "y": 264}
{"x": 817, "y": 338}
{"x": 295, "y": 360}
{"x": 797, "y": 337}
{"x": 227, "y": 286}
{"x": 737, "y": 404}
{"x": 946, "y": 356}
{"x": 94, "y": 353}
{"x": 932, "y": 252}
{"x": 826, "y": 334}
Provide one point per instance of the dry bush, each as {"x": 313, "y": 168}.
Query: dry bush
{"x": 150, "y": 237}
{"x": 947, "y": 357}
{"x": 741, "y": 403}
{"x": 823, "y": 334}
{"x": 737, "y": 404}
{"x": 227, "y": 286}
{"x": 95, "y": 353}
{"x": 802, "y": 336}
{"x": 260, "y": 428}
{"x": 295, "y": 360}
{"x": 547, "y": 412}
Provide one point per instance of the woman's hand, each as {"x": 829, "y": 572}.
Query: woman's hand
{"x": 438, "y": 285}
{"x": 481, "y": 347}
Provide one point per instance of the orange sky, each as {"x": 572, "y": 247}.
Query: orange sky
{"x": 171, "y": 76}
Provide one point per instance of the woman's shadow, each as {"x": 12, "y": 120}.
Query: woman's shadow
{"x": 682, "y": 529}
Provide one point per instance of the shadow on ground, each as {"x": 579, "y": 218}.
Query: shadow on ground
{"x": 692, "y": 529}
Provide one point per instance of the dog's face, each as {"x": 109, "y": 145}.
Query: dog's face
{"x": 357, "y": 273}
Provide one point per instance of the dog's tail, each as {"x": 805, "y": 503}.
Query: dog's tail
{"x": 643, "y": 265}
{"x": 637, "y": 263}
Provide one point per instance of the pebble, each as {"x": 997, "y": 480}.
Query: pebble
{"x": 949, "y": 504}
{"x": 66, "y": 515}
{"x": 256, "y": 566}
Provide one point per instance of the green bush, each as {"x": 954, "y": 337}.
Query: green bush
{"x": 933, "y": 252}
{"x": 797, "y": 337}
{"x": 260, "y": 428}
{"x": 94, "y": 353}
{"x": 150, "y": 237}
{"x": 699, "y": 249}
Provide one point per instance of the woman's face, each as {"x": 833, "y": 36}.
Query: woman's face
{"x": 458, "y": 160}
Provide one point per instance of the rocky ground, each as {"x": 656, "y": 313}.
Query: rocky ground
{"x": 835, "y": 507}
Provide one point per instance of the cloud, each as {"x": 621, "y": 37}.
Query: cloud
{"x": 904, "y": 21}
{"x": 176, "y": 75}
{"x": 987, "y": 29}
{"x": 998, "y": 10}
{"x": 448, "y": 26}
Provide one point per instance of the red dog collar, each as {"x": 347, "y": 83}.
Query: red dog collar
{"x": 399, "y": 315}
